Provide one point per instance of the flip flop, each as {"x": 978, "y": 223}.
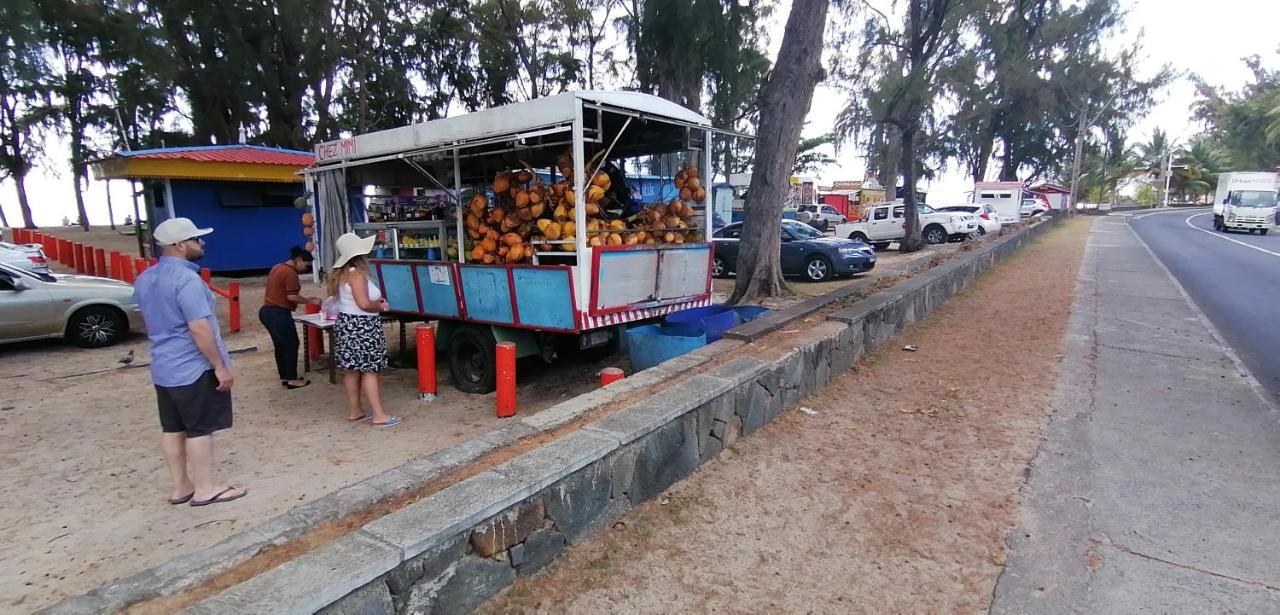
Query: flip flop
{"x": 391, "y": 422}
{"x": 363, "y": 417}
{"x": 182, "y": 500}
{"x": 218, "y": 499}
{"x": 296, "y": 386}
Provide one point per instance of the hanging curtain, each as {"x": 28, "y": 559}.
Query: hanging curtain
{"x": 332, "y": 206}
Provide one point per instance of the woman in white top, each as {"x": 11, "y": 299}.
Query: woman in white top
{"x": 360, "y": 347}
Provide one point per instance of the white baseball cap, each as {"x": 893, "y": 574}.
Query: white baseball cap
{"x": 177, "y": 230}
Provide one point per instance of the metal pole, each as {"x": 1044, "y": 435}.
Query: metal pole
{"x": 111, "y": 216}
{"x": 1168, "y": 170}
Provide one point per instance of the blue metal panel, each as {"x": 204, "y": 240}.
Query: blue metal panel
{"x": 543, "y": 298}
{"x": 487, "y": 294}
{"x": 438, "y": 298}
{"x": 397, "y": 287}
{"x": 244, "y": 238}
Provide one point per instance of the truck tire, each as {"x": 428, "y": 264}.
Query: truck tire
{"x": 881, "y": 246}
{"x": 1264, "y": 231}
{"x": 1217, "y": 223}
{"x": 858, "y": 236}
{"x": 472, "y": 360}
{"x": 935, "y": 234}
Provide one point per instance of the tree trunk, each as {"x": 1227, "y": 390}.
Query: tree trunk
{"x": 784, "y": 102}
{"x": 1010, "y": 163}
{"x": 19, "y": 181}
{"x": 911, "y": 241}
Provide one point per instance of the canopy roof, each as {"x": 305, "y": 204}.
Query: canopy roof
{"x": 213, "y": 162}
{"x": 507, "y": 120}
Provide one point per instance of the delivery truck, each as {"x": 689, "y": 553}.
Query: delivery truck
{"x": 1245, "y": 202}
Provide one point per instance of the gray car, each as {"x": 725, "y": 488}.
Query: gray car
{"x": 87, "y": 311}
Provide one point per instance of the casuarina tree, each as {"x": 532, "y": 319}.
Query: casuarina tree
{"x": 784, "y": 102}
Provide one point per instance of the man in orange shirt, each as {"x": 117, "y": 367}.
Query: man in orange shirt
{"x": 284, "y": 293}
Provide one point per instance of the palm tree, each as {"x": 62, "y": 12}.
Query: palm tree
{"x": 1200, "y": 164}
{"x": 1150, "y": 156}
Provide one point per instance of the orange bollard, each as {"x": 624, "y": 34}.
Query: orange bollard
{"x": 139, "y": 265}
{"x": 78, "y": 250}
{"x": 426, "y": 362}
{"x": 100, "y": 262}
{"x": 233, "y": 289}
{"x": 88, "y": 259}
{"x": 126, "y": 268}
{"x": 506, "y": 359}
{"x": 315, "y": 340}
{"x": 51, "y": 245}
{"x": 609, "y": 375}
{"x": 65, "y": 253}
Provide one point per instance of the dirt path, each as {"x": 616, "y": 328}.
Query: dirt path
{"x": 895, "y": 496}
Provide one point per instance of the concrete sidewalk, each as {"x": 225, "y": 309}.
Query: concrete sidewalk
{"x": 1157, "y": 485}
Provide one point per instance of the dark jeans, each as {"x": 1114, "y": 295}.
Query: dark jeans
{"x": 284, "y": 336}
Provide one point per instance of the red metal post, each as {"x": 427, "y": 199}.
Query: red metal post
{"x": 610, "y": 374}
{"x": 234, "y": 288}
{"x": 100, "y": 262}
{"x": 426, "y": 362}
{"x": 51, "y": 245}
{"x": 78, "y": 249}
{"x": 18, "y": 235}
{"x": 66, "y": 254}
{"x": 127, "y": 268}
{"x": 139, "y": 265}
{"x": 315, "y": 340}
{"x": 506, "y": 359}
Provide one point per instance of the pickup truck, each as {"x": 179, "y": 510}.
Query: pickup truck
{"x": 883, "y": 224}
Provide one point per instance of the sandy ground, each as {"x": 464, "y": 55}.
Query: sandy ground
{"x": 894, "y": 496}
{"x": 81, "y": 452}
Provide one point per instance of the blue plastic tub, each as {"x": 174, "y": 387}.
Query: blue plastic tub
{"x": 711, "y": 321}
{"x": 650, "y": 345}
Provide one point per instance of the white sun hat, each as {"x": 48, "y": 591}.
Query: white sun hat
{"x": 350, "y": 245}
{"x": 177, "y": 230}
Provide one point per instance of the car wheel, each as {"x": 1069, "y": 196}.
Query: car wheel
{"x": 981, "y": 231}
{"x": 472, "y": 360}
{"x": 934, "y": 234}
{"x": 880, "y": 247}
{"x": 817, "y": 269}
{"x": 856, "y": 236}
{"x": 718, "y": 269}
{"x": 96, "y": 326}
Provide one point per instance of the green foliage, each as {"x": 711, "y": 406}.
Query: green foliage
{"x": 1245, "y": 125}
{"x": 809, "y": 154}
{"x": 1146, "y": 195}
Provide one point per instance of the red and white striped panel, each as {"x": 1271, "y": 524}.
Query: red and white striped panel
{"x": 595, "y": 322}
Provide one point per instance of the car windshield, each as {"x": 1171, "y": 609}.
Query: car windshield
{"x": 14, "y": 272}
{"x": 803, "y": 231}
{"x": 925, "y": 209}
{"x": 1253, "y": 198}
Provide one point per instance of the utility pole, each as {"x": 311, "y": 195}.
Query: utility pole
{"x": 1168, "y": 171}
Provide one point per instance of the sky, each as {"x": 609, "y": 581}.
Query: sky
{"x": 1194, "y": 38}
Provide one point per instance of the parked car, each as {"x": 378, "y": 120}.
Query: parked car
{"x": 885, "y": 223}
{"x": 1033, "y": 207}
{"x": 87, "y": 311}
{"x": 24, "y": 256}
{"x": 806, "y": 252}
{"x": 824, "y": 212}
{"x": 988, "y": 218}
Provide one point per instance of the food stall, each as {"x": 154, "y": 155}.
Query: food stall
{"x": 520, "y": 223}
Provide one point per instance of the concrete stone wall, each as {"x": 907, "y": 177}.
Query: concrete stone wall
{"x": 455, "y": 548}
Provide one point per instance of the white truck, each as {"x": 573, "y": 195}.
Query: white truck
{"x": 1245, "y": 201}
{"x": 885, "y": 223}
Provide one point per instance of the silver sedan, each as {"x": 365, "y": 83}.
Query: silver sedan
{"x": 89, "y": 312}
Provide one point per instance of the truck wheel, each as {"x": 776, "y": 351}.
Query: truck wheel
{"x": 1217, "y": 223}
{"x": 471, "y": 360}
{"x": 96, "y": 326}
{"x": 857, "y": 236}
{"x": 934, "y": 234}
{"x": 1264, "y": 231}
{"x": 880, "y": 247}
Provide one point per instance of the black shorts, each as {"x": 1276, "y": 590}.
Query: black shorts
{"x": 198, "y": 409}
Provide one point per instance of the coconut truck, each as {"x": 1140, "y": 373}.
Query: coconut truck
{"x": 518, "y": 223}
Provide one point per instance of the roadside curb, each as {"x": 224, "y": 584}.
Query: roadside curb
{"x": 455, "y": 548}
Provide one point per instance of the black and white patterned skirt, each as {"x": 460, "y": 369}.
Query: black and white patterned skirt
{"x": 359, "y": 344}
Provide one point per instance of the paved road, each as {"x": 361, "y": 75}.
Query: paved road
{"x": 1157, "y": 486}
{"x": 1234, "y": 278}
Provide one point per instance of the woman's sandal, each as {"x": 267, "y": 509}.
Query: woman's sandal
{"x": 391, "y": 422}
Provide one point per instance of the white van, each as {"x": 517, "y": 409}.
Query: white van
{"x": 1005, "y": 197}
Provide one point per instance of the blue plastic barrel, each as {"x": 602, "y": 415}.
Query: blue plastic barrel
{"x": 650, "y": 345}
{"x": 711, "y": 321}
{"x": 433, "y": 254}
{"x": 748, "y": 313}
